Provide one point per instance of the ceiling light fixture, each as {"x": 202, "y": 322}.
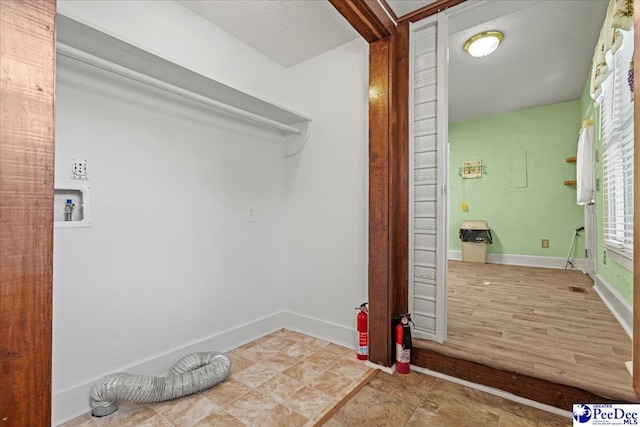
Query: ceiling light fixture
{"x": 484, "y": 43}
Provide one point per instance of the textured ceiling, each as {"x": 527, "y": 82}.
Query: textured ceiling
{"x": 287, "y": 31}
{"x": 402, "y": 7}
{"x": 544, "y": 59}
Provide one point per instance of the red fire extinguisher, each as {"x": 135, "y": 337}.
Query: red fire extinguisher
{"x": 363, "y": 332}
{"x": 403, "y": 344}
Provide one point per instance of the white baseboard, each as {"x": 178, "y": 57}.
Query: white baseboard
{"x": 328, "y": 331}
{"x": 74, "y": 401}
{"x": 620, "y": 307}
{"x": 525, "y": 260}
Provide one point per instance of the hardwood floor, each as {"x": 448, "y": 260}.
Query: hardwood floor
{"x": 529, "y": 322}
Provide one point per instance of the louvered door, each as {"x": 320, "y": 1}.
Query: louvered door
{"x": 428, "y": 177}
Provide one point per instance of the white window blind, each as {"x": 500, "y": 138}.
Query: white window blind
{"x": 616, "y": 115}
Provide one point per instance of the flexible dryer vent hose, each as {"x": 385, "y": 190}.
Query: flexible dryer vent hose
{"x": 191, "y": 374}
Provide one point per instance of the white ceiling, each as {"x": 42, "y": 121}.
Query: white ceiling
{"x": 544, "y": 59}
{"x": 287, "y": 31}
{"x": 402, "y": 7}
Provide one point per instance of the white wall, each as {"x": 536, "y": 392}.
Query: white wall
{"x": 170, "y": 264}
{"x": 327, "y": 222}
{"x": 171, "y": 31}
{"x": 170, "y": 258}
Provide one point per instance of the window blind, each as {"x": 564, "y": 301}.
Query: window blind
{"x": 616, "y": 114}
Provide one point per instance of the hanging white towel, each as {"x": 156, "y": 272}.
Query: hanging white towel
{"x": 585, "y": 173}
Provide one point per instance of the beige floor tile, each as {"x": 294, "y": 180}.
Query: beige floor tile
{"x": 374, "y": 408}
{"x": 299, "y": 351}
{"x": 258, "y": 353}
{"x": 399, "y": 386}
{"x": 226, "y": 391}
{"x": 282, "y": 416}
{"x": 85, "y": 420}
{"x": 420, "y": 383}
{"x": 332, "y": 384}
{"x": 309, "y": 401}
{"x": 350, "y": 369}
{"x": 219, "y": 418}
{"x": 518, "y": 415}
{"x": 187, "y": 411}
{"x": 338, "y": 350}
{"x": 313, "y": 343}
{"x": 255, "y": 375}
{"x": 128, "y": 415}
{"x": 238, "y": 363}
{"x": 279, "y": 362}
{"x": 278, "y": 342}
{"x": 280, "y": 387}
{"x": 334, "y": 423}
{"x": 468, "y": 406}
{"x": 251, "y": 407}
{"x": 244, "y": 347}
{"x": 304, "y": 371}
{"x": 322, "y": 359}
{"x": 156, "y": 421}
{"x": 296, "y": 336}
{"x": 256, "y": 392}
{"x": 265, "y": 338}
{"x": 421, "y": 418}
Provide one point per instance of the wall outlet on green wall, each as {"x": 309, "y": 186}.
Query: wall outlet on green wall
{"x": 545, "y": 243}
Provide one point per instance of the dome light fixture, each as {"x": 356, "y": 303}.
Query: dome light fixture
{"x": 484, "y": 43}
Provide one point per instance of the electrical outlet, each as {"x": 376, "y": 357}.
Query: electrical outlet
{"x": 545, "y": 243}
{"x": 79, "y": 169}
{"x": 251, "y": 214}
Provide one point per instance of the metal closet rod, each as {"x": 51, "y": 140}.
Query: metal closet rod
{"x": 87, "y": 58}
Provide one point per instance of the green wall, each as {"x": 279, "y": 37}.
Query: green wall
{"x": 613, "y": 273}
{"x": 521, "y": 206}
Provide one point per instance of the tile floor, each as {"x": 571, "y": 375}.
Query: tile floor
{"x": 267, "y": 387}
{"x": 421, "y": 400}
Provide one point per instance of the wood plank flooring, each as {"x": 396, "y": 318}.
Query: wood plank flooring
{"x": 528, "y": 321}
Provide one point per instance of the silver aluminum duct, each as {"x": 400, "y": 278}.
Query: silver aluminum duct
{"x": 191, "y": 374}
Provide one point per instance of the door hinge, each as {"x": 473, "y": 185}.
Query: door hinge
{"x": 444, "y": 188}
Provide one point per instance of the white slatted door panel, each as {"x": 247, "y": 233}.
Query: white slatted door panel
{"x": 426, "y": 213}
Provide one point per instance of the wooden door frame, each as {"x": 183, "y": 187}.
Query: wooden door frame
{"x": 26, "y": 191}
{"x": 388, "y": 162}
{"x": 388, "y": 251}
{"x": 27, "y": 89}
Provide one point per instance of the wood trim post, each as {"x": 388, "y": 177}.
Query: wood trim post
{"x": 400, "y": 176}
{"x": 380, "y": 135}
{"x": 27, "y": 77}
{"x": 367, "y": 18}
{"x": 388, "y": 167}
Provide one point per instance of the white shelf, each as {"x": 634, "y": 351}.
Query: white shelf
{"x": 88, "y": 45}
